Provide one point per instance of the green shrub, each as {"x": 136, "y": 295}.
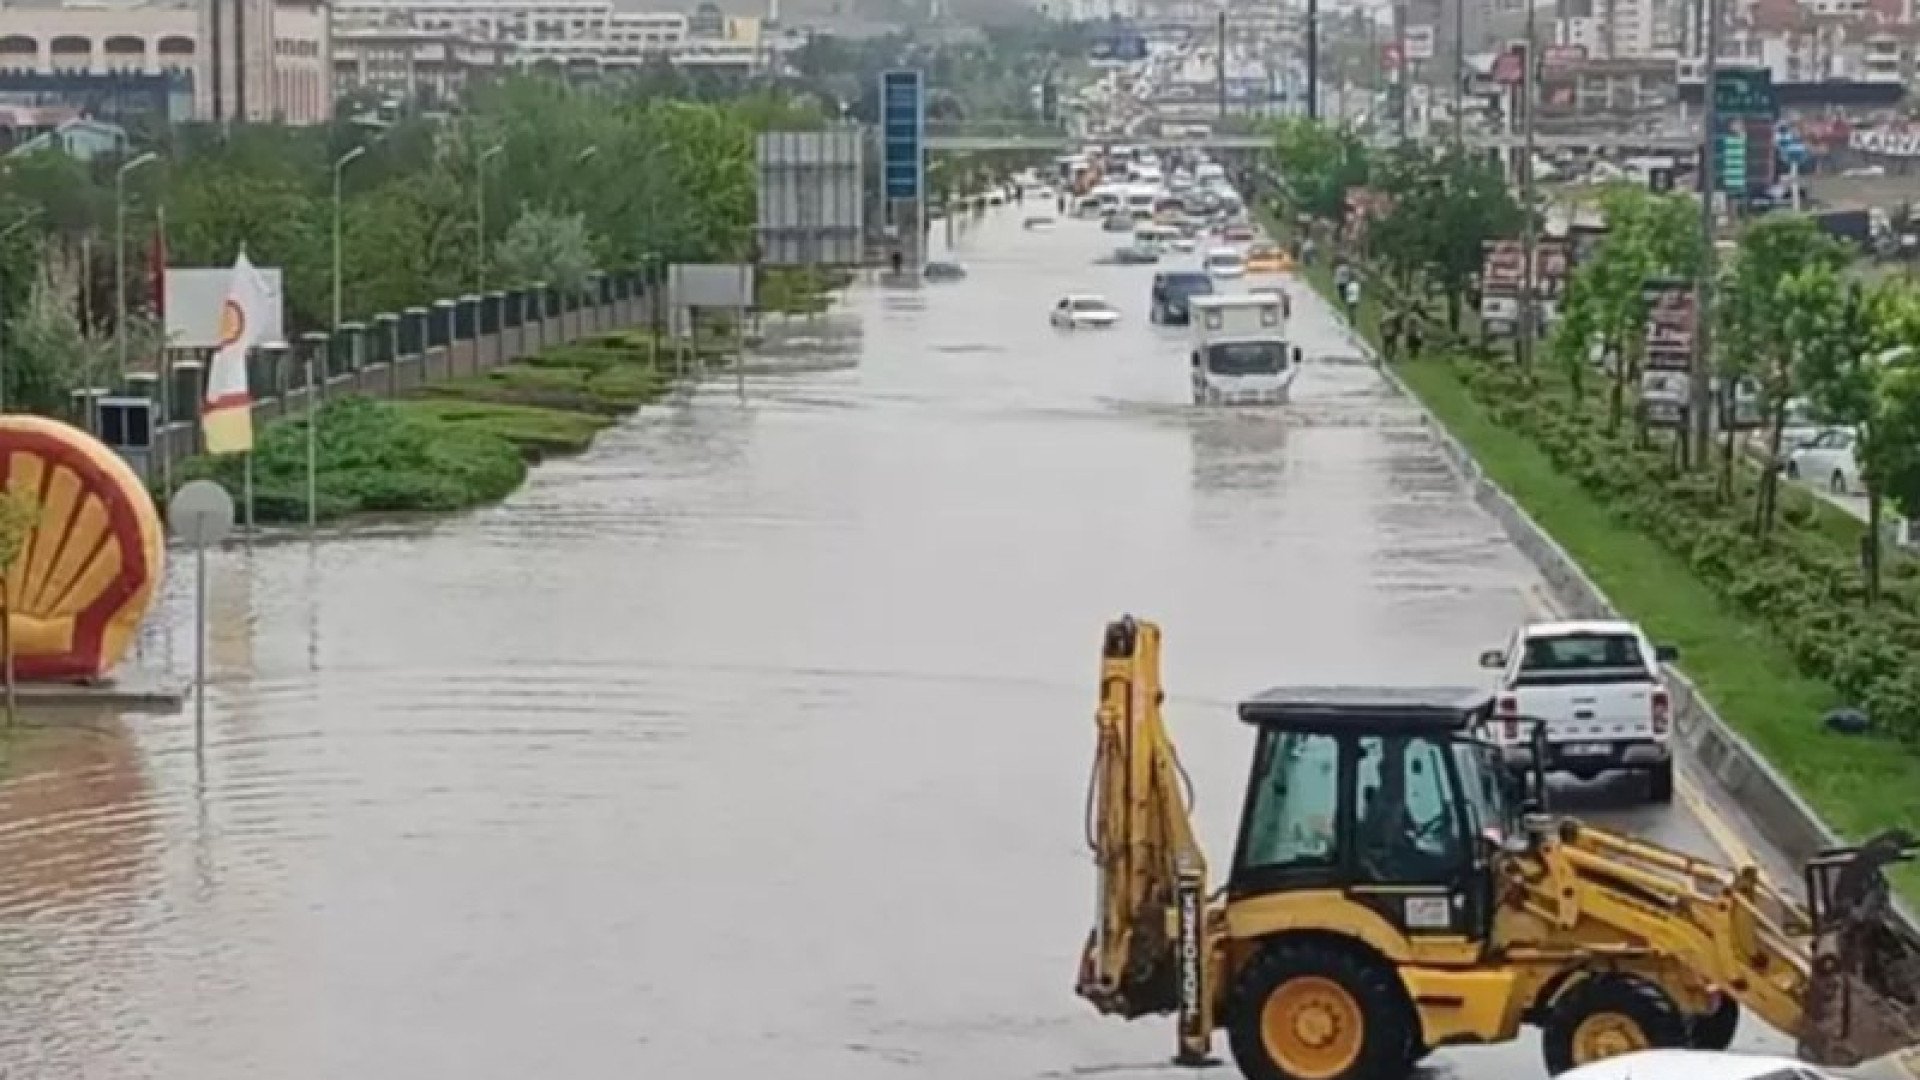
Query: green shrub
{"x": 1804, "y": 581}
{"x": 372, "y": 456}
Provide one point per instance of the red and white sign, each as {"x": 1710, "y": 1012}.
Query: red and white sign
{"x": 1418, "y": 43}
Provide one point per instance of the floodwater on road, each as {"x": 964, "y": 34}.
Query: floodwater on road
{"x": 752, "y": 742}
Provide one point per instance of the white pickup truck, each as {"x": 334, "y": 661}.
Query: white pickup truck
{"x": 1598, "y": 689}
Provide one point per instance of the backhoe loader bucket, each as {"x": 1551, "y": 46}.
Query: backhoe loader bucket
{"x": 1864, "y": 998}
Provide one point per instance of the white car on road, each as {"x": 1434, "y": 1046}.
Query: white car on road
{"x": 1082, "y": 312}
{"x": 1224, "y": 263}
{"x": 1827, "y": 461}
{"x": 1696, "y": 1065}
{"x": 1599, "y": 691}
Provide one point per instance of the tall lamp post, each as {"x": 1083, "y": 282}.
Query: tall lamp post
{"x": 313, "y": 382}
{"x": 480, "y": 214}
{"x": 120, "y": 269}
{"x": 32, "y": 214}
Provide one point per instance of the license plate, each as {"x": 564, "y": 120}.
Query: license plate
{"x": 1587, "y": 749}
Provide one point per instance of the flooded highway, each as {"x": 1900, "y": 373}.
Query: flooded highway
{"x": 752, "y": 742}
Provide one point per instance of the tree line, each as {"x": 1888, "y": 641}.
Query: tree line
{"x": 1802, "y": 333}
{"x": 562, "y": 178}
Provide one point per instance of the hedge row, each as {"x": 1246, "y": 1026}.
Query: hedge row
{"x": 1804, "y": 581}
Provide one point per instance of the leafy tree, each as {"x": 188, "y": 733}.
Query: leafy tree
{"x": 1318, "y": 165}
{"x": 1757, "y": 313}
{"x": 1849, "y": 340}
{"x": 1606, "y": 300}
{"x": 543, "y": 245}
{"x": 1443, "y": 209}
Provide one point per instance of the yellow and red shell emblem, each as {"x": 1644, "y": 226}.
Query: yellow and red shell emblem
{"x": 86, "y": 575}
{"x": 233, "y": 323}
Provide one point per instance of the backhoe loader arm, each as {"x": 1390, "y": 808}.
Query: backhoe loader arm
{"x": 1840, "y": 974}
{"x": 1148, "y": 952}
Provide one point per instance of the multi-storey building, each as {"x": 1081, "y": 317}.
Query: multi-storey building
{"x": 439, "y": 45}
{"x": 259, "y": 60}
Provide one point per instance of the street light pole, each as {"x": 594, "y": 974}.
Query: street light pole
{"x": 1528, "y": 207}
{"x": 313, "y": 382}
{"x": 120, "y": 270}
{"x": 480, "y": 215}
{"x": 1459, "y": 72}
{"x": 1699, "y": 432}
{"x": 32, "y": 214}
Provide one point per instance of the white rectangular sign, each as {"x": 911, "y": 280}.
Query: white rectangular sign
{"x": 1419, "y": 43}
{"x": 194, "y": 298}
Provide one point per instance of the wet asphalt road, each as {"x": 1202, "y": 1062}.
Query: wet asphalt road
{"x": 754, "y": 741}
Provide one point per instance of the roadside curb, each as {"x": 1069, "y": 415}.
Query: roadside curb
{"x": 1783, "y": 819}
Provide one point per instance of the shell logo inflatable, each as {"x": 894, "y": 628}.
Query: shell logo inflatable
{"x": 87, "y": 572}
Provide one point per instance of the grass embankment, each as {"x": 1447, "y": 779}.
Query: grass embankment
{"x": 1751, "y": 621}
{"x": 453, "y": 445}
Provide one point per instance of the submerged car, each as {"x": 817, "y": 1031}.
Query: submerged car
{"x": 1172, "y": 291}
{"x": 1083, "y": 311}
{"x": 1224, "y": 263}
{"x": 945, "y": 271}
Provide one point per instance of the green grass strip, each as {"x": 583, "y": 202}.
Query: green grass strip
{"x": 1857, "y": 784}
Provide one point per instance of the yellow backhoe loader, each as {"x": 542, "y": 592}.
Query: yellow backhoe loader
{"x": 1391, "y": 894}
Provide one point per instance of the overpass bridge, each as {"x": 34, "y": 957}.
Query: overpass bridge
{"x": 1060, "y": 144}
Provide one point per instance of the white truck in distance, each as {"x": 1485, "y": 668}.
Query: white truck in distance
{"x": 1240, "y": 352}
{"x": 1598, "y": 690}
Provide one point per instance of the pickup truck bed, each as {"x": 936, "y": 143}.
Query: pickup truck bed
{"x": 1599, "y": 691}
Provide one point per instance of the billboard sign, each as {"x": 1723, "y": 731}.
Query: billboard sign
{"x": 811, "y": 209}
{"x": 194, "y": 299}
{"x": 706, "y": 287}
{"x": 903, "y": 129}
{"x": 1669, "y": 325}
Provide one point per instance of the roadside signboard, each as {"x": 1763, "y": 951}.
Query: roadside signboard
{"x": 1503, "y": 273}
{"x": 812, "y": 212}
{"x": 1418, "y": 43}
{"x": 1665, "y": 386}
{"x": 1669, "y": 344}
{"x": 903, "y": 127}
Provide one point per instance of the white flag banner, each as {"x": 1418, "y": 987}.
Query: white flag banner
{"x": 226, "y": 418}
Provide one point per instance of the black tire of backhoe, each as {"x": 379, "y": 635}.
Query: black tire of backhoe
{"x": 1648, "y": 1006}
{"x": 1375, "y": 986}
{"x": 1715, "y": 1030}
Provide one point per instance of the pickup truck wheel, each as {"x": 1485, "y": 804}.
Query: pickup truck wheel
{"x": 1608, "y": 1015}
{"x": 1714, "y": 1031}
{"x": 1307, "y": 1010}
{"x": 1660, "y": 782}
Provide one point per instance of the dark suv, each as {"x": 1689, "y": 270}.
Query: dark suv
{"x": 1171, "y": 291}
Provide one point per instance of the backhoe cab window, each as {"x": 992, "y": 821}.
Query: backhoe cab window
{"x": 1291, "y": 824}
{"x": 1407, "y": 827}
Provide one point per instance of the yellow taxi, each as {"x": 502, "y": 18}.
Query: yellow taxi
{"x": 1268, "y": 259}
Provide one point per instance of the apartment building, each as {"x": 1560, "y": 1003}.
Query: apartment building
{"x": 441, "y": 45}
{"x": 259, "y": 60}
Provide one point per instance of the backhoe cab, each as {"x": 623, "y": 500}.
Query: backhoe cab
{"x": 1388, "y": 896}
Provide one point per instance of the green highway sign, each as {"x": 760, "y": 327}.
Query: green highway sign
{"x": 1744, "y": 92}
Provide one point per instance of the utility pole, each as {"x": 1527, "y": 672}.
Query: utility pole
{"x": 1459, "y": 72}
{"x": 1530, "y": 242}
{"x": 1220, "y": 61}
{"x": 1697, "y": 390}
{"x": 1400, "y": 69}
{"x": 1313, "y": 59}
